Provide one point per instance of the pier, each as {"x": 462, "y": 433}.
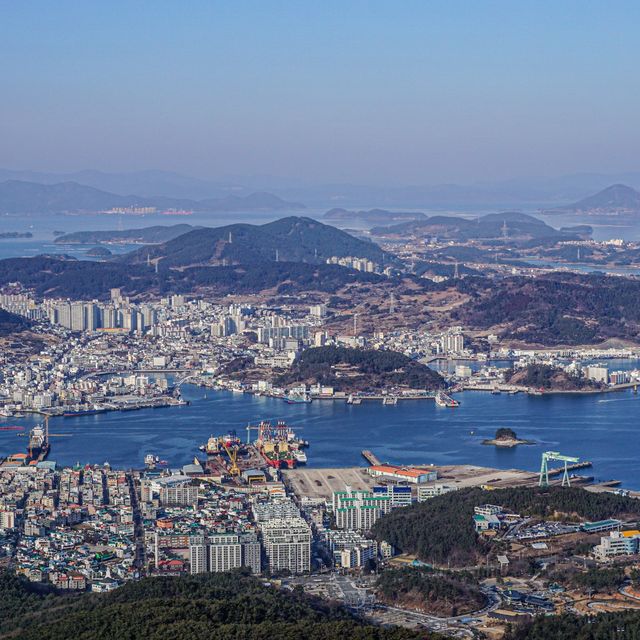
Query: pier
{"x": 391, "y": 398}
{"x": 371, "y": 458}
{"x": 585, "y": 464}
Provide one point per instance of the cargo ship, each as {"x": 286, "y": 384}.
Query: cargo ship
{"x": 216, "y": 444}
{"x": 443, "y": 400}
{"x": 38, "y": 448}
{"x": 277, "y": 445}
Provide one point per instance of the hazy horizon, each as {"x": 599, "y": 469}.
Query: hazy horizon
{"x": 362, "y": 93}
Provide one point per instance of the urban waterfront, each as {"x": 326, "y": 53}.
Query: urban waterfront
{"x": 600, "y": 427}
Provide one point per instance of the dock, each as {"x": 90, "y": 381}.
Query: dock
{"x": 371, "y": 458}
{"x": 571, "y": 467}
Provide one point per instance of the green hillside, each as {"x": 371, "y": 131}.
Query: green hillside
{"x": 226, "y": 606}
{"x": 291, "y": 239}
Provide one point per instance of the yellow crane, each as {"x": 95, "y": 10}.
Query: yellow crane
{"x": 232, "y": 452}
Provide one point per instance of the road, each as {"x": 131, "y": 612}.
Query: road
{"x": 361, "y": 600}
{"x": 140, "y": 561}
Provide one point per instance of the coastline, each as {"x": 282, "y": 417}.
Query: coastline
{"x": 506, "y": 442}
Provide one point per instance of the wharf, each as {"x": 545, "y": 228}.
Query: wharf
{"x": 585, "y": 464}
{"x": 371, "y": 458}
{"x": 321, "y": 483}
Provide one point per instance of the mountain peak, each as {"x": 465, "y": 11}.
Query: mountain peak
{"x": 612, "y": 199}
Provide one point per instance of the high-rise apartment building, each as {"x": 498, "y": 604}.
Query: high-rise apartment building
{"x": 287, "y": 544}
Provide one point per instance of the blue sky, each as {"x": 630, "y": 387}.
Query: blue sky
{"x": 371, "y": 92}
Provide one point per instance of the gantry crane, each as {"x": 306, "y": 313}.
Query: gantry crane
{"x": 249, "y": 430}
{"x": 544, "y": 467}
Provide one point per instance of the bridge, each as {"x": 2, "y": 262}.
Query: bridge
{"x": 176, "y": 386}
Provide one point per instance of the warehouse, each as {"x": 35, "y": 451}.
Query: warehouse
{"x": 404, "y": 474}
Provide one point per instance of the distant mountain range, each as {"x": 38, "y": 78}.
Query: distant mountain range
{"x": 373, "y": 216}
{"x": 509, "y": 225}
{"x": 292, "y": 239}
{"x": 149, "y": 183}
{"x": 17, "y": 196}
{"x": 616, "y": 199}
{"x": 529, "y": 192}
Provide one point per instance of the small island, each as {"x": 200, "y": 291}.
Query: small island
{"x": 506, "y": 438}
{"x": 9, "y": 235}
{"x": 99, "y": 252}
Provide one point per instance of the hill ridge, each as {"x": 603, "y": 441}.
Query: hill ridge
{"x": 21, "y": 196}
{"x": 290, "y": 239}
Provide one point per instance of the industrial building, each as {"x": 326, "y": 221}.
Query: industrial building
{"x": 403, "y": 474}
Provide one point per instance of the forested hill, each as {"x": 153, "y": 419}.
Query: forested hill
{"x": 86, "y": 280}
{"x": 555, "y": 309}
{"x": 292, "y": 239}
{"x": 419, "y": 529}
{"x": 624, "y": 625}
{"x": 151, "y": 235}
{"x": 11, "y": 323}
{"x": 360, "y": 370}
{"x": 222, "y": 606}
{"x": 507, "y": 226}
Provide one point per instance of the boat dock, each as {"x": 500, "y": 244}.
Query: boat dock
{"x": 371, "y": 458}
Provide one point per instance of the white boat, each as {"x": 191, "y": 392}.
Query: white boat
{"x": 300, "y": 457}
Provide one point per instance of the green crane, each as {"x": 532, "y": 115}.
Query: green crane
{"x": 544, "y": 467}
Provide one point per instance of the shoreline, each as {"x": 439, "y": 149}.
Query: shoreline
{"x": 413, "y": 433}
{"x": 507, "y": 443}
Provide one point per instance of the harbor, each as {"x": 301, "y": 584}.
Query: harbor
{"x": 406, "y": 433}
